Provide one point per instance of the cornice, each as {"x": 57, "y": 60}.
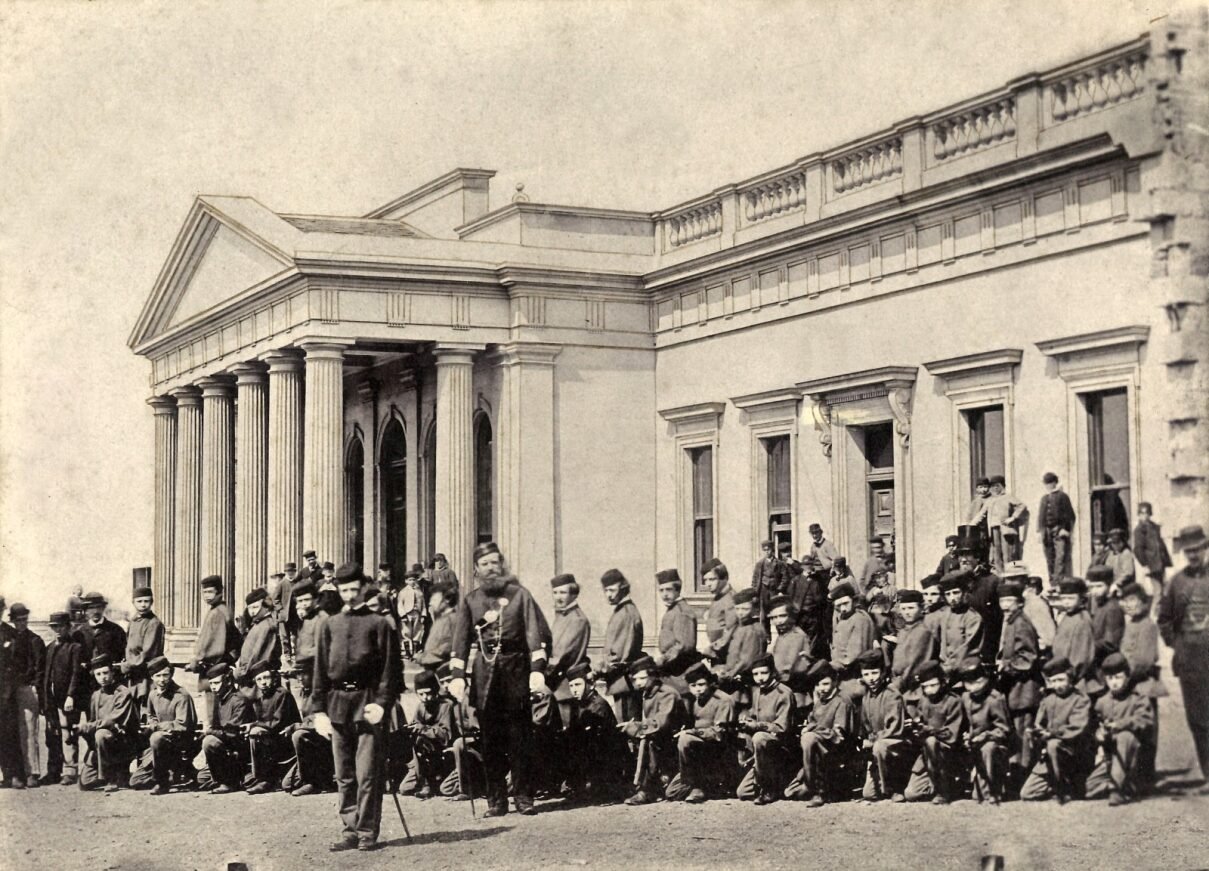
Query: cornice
{"x": 890, "y": 377}
{"x": 1120, "y": 337}
{"x": 513, "y": 209}
{"x": 701, "y": 411}
{"x": 967, "y": 363}
{"x": 414, "y": 196}
{"x": 767, "y": 398}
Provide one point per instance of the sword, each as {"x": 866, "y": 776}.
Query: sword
{"x": 399, "y": 808}
{"x": 640, "y": 768}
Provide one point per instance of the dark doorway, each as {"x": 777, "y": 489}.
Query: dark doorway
{"x": 393, "y": 472}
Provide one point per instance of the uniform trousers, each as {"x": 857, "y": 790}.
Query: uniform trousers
{"x": 1057, "y": 554}
{"x": 1069, "y": 765}
{"x": 26, "y": 700}
{"x": 932, "y": 773}
{"x": 268, "y": 752}
{"x": 62, "y": 743}
{"x": 313, "y": 760}
{"x": 771, "y": 758}
{"x": 1117, "y": 769}
{"x": 989, "y": 763}
{"x": 11, "y": 762}
{"x": 163, "y": 756}
{"x": 820, "y": 760}
{"x": 108, "y": 760}
{"x": 359, "y": 760}
{"x": 1194, "y": 685}
{"x": 888, "y": 768}
{"x": 226, "y": 758}
{"x": 705, "y": 764}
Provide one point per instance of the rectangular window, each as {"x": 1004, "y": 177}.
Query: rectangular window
{"x": 779, "y": 489}
{"x": 702, "y": 462}
{"x": 1108, "y": 458}
{"x": 986, "y": 443}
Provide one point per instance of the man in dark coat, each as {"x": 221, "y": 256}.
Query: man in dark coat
{"x": 1184, "y": 624}
{"x": 768, "y": 579}
{"x": 1149, "y": 548}
{"x": 100, "y": 635}
{"x": 1055, "y": 520}
{"x": 64, "y": 698}
{"x": 275, "y": 716}
{"x": 356, "y": 684}
{"x": 502, "y": 616}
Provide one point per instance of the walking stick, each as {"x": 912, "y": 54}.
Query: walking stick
{"x": 462, "y": 781}
{"x": 394, "y": 793}
{"x": 399, "y": 808}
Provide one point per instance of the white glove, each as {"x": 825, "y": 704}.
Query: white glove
{"x": 457, "y": 688}
{"x": 323, "y": 725}
{"x": 374, "y": 714}
{"x": 537, "y": 682}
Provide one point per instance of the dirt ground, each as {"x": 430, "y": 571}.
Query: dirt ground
{"x": 62, "y": 828}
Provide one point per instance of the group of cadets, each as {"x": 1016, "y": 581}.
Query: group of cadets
{"x": 812, "y": 684}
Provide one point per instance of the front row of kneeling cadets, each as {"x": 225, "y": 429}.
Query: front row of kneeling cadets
{"x": 903, "y": 731}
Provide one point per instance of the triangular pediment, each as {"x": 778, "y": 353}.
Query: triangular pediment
{"x": 215, "y": 259}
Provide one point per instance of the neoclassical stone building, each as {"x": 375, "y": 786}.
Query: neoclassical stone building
{"x": 1008, "y": 285}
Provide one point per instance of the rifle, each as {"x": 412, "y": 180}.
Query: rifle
{"x": 1038, "y": 736}
{"x": 467, "y": 787}
{"x": 640, "y": 769}
{"x": 394, "y": 793}
{"x": 1109, "y": 743}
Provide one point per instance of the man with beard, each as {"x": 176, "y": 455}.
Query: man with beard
{"x": 623, "y": 644}
{"x": 504, "y": 619}
{"x": 982, "y": 595}
{"x": 807, "y": 594}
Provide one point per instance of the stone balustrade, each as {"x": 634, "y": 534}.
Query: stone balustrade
{"x": 976, "y": 128}
{"x": 694, "y": 224}
{"x": 868, "y": 165}
{"x": 775, "y": 197}
{"x": 1096, "y": 86}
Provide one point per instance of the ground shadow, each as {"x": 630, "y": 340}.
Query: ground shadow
{"x": 446, "y": 837}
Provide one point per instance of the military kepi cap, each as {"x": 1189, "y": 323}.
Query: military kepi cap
{"x": 871, "y": 659}
{"x": 213, "y": 582}
{"x": 350, "y": 571}
{"x": 483, "y": 550}
{"x": 699, "y": 671}
{"x": 427, "y": 680}
{"x": 642, "y": 663}
{"x": 157, "y": 665}
{"x": 747, "y": 594}
{"x": 260, "y": 668}
{"x": 256, "y": 595}
{"x": 561, "y": 581}
{"x": 611, "y": 577}
{"x": 1072, "y": 587}
{"x": 1058, "y": 665}
{"x": 906, "y": 597}
{"x": 1114, "y": 663}
{"x": 220, "y": 670}
{"x": 142, "y": 593}
{"x": 667, "y": 576}
{"x": 930, "y": 670}
{"x": 842, "y": 591}
{"x": 579, "y": 671}
{"x": 99, "y": 661}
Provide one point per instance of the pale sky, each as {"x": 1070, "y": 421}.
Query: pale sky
{"x": 114, "y": 115}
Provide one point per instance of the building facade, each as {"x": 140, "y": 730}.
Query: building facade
{"x": 1013, "y": 285}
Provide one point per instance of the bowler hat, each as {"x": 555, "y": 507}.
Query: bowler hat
{"x": 309, "y": 554}
{"x": 1011, "y": 590}
{"x": 841, "y": 591}
{"x": 94, "y": 599}
{"x": 60, "y": 618}
{"x": 1191, "y": 538}
{"x": 290, "y": 567}
{"x": 17, "y": 611}
{"x": 1099, "y": 575}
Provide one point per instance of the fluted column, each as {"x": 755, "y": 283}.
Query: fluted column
{"x": 186, "y": 600}
{"x": 285, "y": 458}
{"x": 164, "y": 409}
{"x": 455, "y": 455}
{"x": 218, "y": 481}
{"x": 323, "y": 451}
{"x": 251, "y": 477}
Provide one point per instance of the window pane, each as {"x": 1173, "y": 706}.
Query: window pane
{"x": 483, "y": 488}
{"x": 1109, "y": 431}
{"x": 703, "y": 481}
{"x": 986, "y": 443}
{"x": 879, "y": 446}
{"x": 703, "y": 548}
{"x": 778, "y": 474}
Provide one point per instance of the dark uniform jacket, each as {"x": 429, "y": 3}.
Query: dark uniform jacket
{"x": 983, "y": 597}
{"x": 663, "y": 713}
{"x": 171, "y": 710}
{"x": 217, "y": 640}
{"x": 883, "y": 713}
{"x": 961, "y": 635}
{"x": 1107, "y": 626}
{"x": 852, "y": 636}
{"x": 1020, "y": 663}
{"x": 437, "y": 721}
{"x": 989, "y": 717}
{"x": 772, "y": 709}
{"x": 63, "y": 676}
{"x": 1075, "y": 640}
{"x": 1140, "y": 646}
{"x": 714, "y": 716}
{"x": 356, "y": 664}
{"x": 106, "y": 638}
{"x": 916, "y": 645}
{"x": 1149, "y": 548}
{"x": 113, "y": 709}
{"x": 793, "y": 653}
{"x": 438, "y": 646}
{"x": 1128, "y": 712}
{"x": 943, "y": 718}
{"x": 1068, "y": 718}
{"x": 807, "y": 592}
{"x": 747, "y": 645}
{"x": 510, "y": 647}
{"x": 720, "y": 623}
{"x": 570, "y": 636}
{"x": 768, "y": 579}
{"x": 678, "y": 638}
{"x": 228, "y": 713}
{"x": 144, "y": 642}
{"x": 832, "y": 720}
{"x": 275, "y": 710}
{"x": 623, "y": 644}
{"x": 1184, "y": 617}
{"x": 1055, "y": 512}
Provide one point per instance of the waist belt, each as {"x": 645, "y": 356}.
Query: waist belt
{"x": 349, "y": 686}
{"x": 505, "y": 648}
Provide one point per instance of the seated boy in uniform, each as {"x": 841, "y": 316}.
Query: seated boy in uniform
{"x": 940, "y": 732}
{"x": 883, "y": 731}
{"x": 1126, "y": 727}
{"x": 991, "y": 734}
{"x": 705, "y": 749}
{"x": 601, "y": 758}
{"x": 767, "y": 730}
{"x": 169, "y": 723}
{"x": 224, "y": 744}
{"x": 430, "y": 735}
{"x": 1062, "y": 736}
{"x": 826, "y": 738}
{"x": 269, "y": 734}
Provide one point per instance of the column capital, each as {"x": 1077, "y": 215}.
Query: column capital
{"x": 456, "y": 353}
{"x": 165, "y": 405}
{"x": 215, "y": 386}
{"x": 282, "y": 360}
{"x": 249, "y": 373}
{"x": 325, "y": 348}
{"x": 186, "y": 396}
{"x": 530, "y": 353}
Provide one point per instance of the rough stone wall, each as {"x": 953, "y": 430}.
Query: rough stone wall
{"x": 1179, "y": 221}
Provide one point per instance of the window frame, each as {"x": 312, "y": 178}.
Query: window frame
{"x": 691, "y": 427}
